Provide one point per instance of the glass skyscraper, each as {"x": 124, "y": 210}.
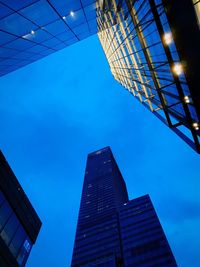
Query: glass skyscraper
{"x": 19, "y": 223}
{"x": 152, "y": 47}
{"x": 113, "y": 231}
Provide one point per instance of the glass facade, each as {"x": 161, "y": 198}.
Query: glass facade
{"x": 139, "y": 45}
{"x": 143, "y": 239}
{"x": 12, "y": 232}
{"x": 97, "y": 241}
{"x": 19, "y": 223}
{"x": 113, "y": 231}
{"x": 33, "y": 29}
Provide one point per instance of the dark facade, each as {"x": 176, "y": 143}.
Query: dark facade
{"x": 113, "y": 231}
{"x": 19, "y": 223}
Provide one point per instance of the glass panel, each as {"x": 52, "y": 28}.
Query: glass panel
{"x": 24, "y": 252}
{"x": 64, "y": 7}
{"x": 66, "y": 36}
{"x": 90, "y": 11}
{"x": 56, "y": 27}
{"x": 75, "y": 20}
{"x": 20, "y": 44}
{"x": 17, "y": 241}
{"x": 36, "y": 49}
{"x": 4, "y": 11}
{"x": 5, "y": 212}
{"x": 38, "y": 36}
{"x": 9, "y": 229}
{"x": 45, "y": 15}
{"x": 88, "y": 2}
{"x": 2, "y": 199}
{"x": 13, "y": 24}
{"x": 5, "y": 37}
{"x": 16, "y": 5}
{"x": 51, "y": 42}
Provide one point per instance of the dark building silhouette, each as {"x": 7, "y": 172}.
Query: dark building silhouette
{"x": 152, "y": 47}
{"x": 19, "y": 223}
{"x": 113, "y": 231}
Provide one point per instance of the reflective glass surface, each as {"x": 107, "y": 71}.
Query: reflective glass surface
{"x": 39, "y": 25}
{"x": 13, "y": 233}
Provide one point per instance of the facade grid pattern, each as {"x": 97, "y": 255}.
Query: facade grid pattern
{"x": 132, "y": 34}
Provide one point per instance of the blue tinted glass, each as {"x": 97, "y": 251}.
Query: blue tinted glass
{"x": 2, "y": 199}
{"x": 56, "y": 27}
{"x": 88, "y": 2}
{"x": 24, "y": 252}
{"x": 23, "y": 55}
{"x": 75, "y": 20}
{"x": 90, "y": 11}
{"x": 38, "y": 36}
{"x": 17, "y": 4}
{"x": 45, "y": 15}
{"x": 5, "y": 37}
{"x": 20, "y": 44}
{"x": 9, "y": 62}
{"x": 9, "y": 229}
{"x": 47, "y": 52}
{"x": 60, "y": 46}
{"x": 64, "y": 7}
{"x": 16, "y": 24}
{"x": 80, "y": 29}
{"x": 17, "y": 241}
{"x": 71, "y": 41}
{"x": 36, "y": 49}
{"x": 5, "y": 212}
{"x": 7, "y": 52}
{"x": 65, "y": 36}
{"x": 51, "y": 42}
{"x": 4, "y": 11}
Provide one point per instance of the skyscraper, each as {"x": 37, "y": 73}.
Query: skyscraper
{"x": 113, "y": 231}
{"x": 152, "y": 51}
{"x": 19, "y": 223}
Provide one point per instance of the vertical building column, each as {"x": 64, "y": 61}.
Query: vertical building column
{"x": 184, "y": 25}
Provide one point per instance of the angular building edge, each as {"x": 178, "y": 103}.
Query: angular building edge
{"x": 21, "y": 208}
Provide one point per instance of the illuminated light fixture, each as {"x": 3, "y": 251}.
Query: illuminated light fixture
{"x": 168, "y": 38}
{"x": 32, "y": 32}
{"x": 178, "y": 69}
{"x": 195, "y": 126}
{"x": 71, "y": 13}
{"x": 186, "y": 99}
{"x": 64, "y": 17}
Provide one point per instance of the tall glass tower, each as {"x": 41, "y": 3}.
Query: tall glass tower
{"x": 113, "y": 231}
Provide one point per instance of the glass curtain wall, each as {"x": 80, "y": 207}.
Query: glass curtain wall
{"x": 138, "y": 43}
{"x": 13, "y": 233}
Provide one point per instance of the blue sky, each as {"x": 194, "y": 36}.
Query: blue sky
{"x": 57, "y": 110}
